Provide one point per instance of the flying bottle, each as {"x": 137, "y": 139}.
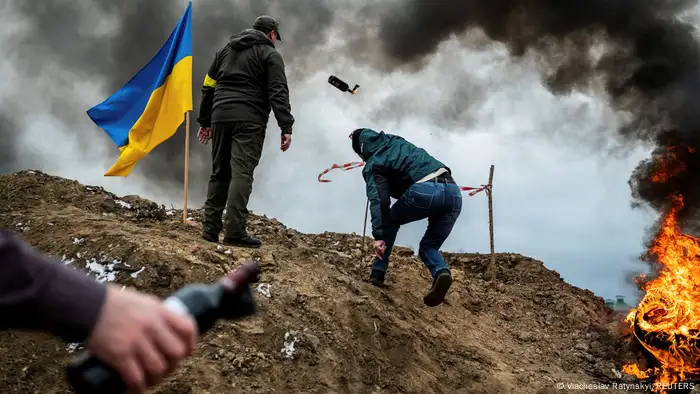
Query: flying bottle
{"x": 342, "y": 85}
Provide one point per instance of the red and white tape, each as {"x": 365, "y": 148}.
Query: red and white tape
{"x": 344, "y": 167}
{"x": 486, "y": 188}
{"x": 357, "y": 164}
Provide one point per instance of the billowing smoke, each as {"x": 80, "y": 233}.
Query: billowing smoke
{"x": 637, "y": 53}
{"x": 7, "y": 132}
{"x": 434, "y": 71}
{"x": 108, "y": 42}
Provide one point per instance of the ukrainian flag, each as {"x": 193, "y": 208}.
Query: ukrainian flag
{"x": 151, "y": 106}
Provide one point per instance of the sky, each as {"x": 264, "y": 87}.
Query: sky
{"x": 560, "y": 194}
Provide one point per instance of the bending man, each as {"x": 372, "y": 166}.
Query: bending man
{"x": 423, "y": 188}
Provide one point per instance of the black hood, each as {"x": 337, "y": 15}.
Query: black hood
{"x": 356, "y": 141}
{"x": 249, "y": 38}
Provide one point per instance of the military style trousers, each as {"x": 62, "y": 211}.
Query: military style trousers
{"x": 236, "y": 151}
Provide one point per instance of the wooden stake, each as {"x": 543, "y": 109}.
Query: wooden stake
{"x": 490, "y": 197}
{"x": 491, "y": 269}
{"x": 364, "y": 230}
{"x": 187, "y": 163}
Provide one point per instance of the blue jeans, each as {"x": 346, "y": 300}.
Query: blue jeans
{"x": 441, "y": 204}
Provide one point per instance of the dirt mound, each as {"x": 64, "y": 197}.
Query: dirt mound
{"x": 322, "y": 328}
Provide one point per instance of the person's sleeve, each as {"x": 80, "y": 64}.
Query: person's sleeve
{"x": 208, "y": 87}
{"x": 379, "y": 196}
{"x": 278, "y": 92}
{"x": 40, "y": 294}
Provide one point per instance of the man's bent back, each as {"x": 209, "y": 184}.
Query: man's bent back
{"x": 245, "y": 81}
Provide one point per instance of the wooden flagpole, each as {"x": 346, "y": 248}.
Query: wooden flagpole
{"x": 490, "y": 197}
{"x": 187, "y": 162}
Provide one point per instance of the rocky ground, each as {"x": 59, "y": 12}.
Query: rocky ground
{"x": 322, "y": 328}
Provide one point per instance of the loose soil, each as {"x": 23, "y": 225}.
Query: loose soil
{"x": 321, "y": 327}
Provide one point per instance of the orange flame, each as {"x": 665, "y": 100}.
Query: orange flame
{"x": 669, "y": 166}
{"x": 667, "y": 320}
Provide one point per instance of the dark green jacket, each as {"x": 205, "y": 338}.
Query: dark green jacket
{"x": 246, "y": 79}
{"x": 392, "y": 165}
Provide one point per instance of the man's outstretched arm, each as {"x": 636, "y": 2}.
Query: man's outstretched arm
{"x": 379, "y": 197}
{"x": 131, "y": 331}
{"x": 38, "y": 293}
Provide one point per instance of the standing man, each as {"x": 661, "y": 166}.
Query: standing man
{"x": 245, "y": 81}
{"x": 423, "y": 188}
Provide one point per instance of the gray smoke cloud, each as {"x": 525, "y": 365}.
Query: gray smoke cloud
{"x": 638, "y": 55}
{"x": 458, "y": 84}
{"x": 7, "y": 144}
{"x": 108, "y": 42}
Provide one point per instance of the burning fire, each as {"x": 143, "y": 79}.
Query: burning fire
{"x": 667, "y": 320}
{"x": 669, "y": 166}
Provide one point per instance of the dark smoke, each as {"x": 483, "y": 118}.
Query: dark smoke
{"x": 644, "y": 57}
{"x": 647, "y": 59}
{"x": 8, "y": 133}
{"x": 73, "y": 35}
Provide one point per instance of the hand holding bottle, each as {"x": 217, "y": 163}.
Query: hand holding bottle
{"x": 138, "y": 340}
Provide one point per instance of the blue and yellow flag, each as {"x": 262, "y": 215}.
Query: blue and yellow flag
{"x": 151, "y": 106}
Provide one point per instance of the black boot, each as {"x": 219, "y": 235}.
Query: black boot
{"x": 243, "y": 242}
{"x": 441, "y": 283}
{"x": 377, "y": 277}
{"x": 210, "y": 237}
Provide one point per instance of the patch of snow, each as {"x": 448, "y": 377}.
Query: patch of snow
{"x": 78, "y": 241}
{"x": 617, "y": 373}
{"x": 102, "y": 272}
{"x": 78, "y": 255}
{"x": 264, "y": 289}
{"x": 73, "y": 347}
{"x": 226, "y": 251}
{"x": 66, "y": 260}
{"x": 170, "y": 212}
{"x": 288, "y": 349}
{"x": 31, "y": 172}
{"x": 135, "y": 274}
{"x": 123, "y": 204}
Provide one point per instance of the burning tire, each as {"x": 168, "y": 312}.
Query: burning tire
{"x": 673, "y": 351}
